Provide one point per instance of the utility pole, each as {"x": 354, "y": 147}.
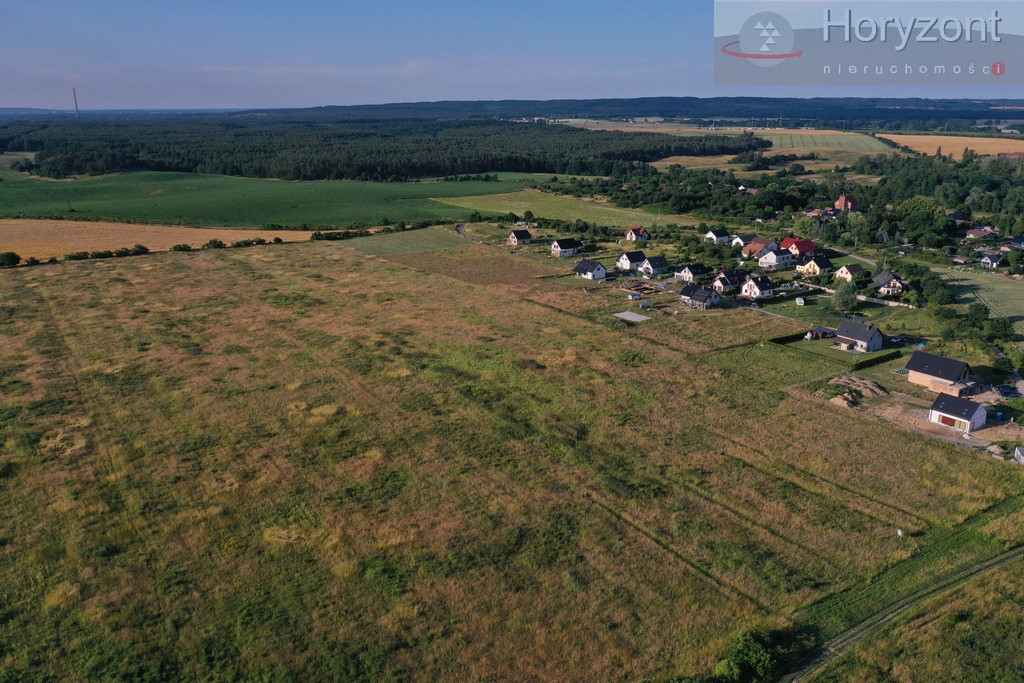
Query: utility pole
{"x": 75, "y": 95}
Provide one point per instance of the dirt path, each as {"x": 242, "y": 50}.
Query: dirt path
{"x": 818, "y": 661}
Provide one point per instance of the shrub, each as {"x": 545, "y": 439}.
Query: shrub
{"x": 214, "y": 244}
{"x": 32, "y": 261}
{"x": 278, "y": 240}
{"x": 9, "y": 259}
{"x": 103, "y": 253}
{"x": 139, "y": 250}
{"x": 77, "y": 256}
{"x": 181, "y": 247}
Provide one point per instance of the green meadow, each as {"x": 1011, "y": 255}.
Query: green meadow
{"x": 206, "y": 200}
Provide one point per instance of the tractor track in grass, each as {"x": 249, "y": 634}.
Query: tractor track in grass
{"x": 825, "y": 655}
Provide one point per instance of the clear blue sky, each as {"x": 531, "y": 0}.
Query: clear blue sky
{"x": 141, "y": 54}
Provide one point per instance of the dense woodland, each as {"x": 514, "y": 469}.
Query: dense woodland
{"x": 379, "y": 151}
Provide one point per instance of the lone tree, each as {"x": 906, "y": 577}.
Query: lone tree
{"x": 9, "y": 259}
{"x": 845, "y": 297}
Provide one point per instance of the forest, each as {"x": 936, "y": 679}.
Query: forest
{"x": 258, "y": 148}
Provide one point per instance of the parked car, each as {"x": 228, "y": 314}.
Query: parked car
{"x": 1008, "y": 392}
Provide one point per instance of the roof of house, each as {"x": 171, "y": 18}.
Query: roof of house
{"x": 657, "y": 261}
{"x": 778, "y": 253}
{"x": 762, "y": 282}
{"x": 853, "y": 268}
{"x": 930, "y": 364}
{"x": 634, "y": 256}
{"x": 857, "y": 331}
{"x": 821, "y": 262}
{"x": 803, "y": 245}
{"x": 955, "y": 407}
{"x": 522, "y": 234}
{"x": 884, "y": 278}
{"x": 992, "y": 258}
{"x": 637, "y": 230}
{"x": 983, "y": 233}
{"x": 696, "y": 269}
{"x": 704, "y": 294}
{"x": 587, "y": 266}
{"x": 568, "y": 243}
{"x": 719, "y": 234}
{"x": 689, "y": 290}
{"x": 746, "y": 239}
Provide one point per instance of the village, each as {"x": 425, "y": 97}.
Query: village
{"x": 938, "y": 395}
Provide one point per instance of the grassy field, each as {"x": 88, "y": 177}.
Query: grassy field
{"x": 43, "y": 239}
{"x": 205, "y": 200}
{"x": 972, "y": 633}
{"x": 414, "y": 459}
{"x": 564, "y": 208}
{"x": 1003, "y": 295}
{"x": 955, "y": 144}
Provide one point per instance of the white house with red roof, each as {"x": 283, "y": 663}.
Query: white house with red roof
{"x": 637, "y": 234}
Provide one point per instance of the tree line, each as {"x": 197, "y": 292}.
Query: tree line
{"x": 375, "y": 151}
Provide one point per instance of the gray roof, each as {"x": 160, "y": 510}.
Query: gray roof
{"x": 697, "y": 269}
{"x": 704, "y": 294}
{"x": 587, "y": 266}
{"x": 857, "y": 331}
{"x": 884, "y": 278}
{"x": 762, "y": 282}
{"x": 955, "y": 407}
{"x": 688, "y": 291}
{"x": 568, "y": 243}
{"x": 658, "y": 262}
{"x": 937, "y": 366}
{"x": 522, "y": 234}
{"x": 634, "y": 256}
{"x": 717, "y": 233}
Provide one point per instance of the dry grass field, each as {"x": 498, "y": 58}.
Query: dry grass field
{"x": 955, "y": 144}
{"x": 44, "y": 239}
{"x": 320, "y": 461}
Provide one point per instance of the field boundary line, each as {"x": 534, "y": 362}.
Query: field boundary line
{"x": 722, "y": 584}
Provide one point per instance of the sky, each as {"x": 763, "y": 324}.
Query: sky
{"x": 258, "y": 54}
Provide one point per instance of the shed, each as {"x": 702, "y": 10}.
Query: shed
{"x": 958, "y": 413}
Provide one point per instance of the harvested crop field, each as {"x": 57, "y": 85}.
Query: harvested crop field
{"x": 44, "y": 239}
{"x": 954, "y": 144}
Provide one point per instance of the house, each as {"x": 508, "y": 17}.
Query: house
{"x": 982, "y": 233}
{"x": 777, "y": 259}
{"x": 858, "y": 337}
{"x": 847, "y": 204}
{"x": 758, "y": 288}
{"x": 958, "y": 413}
{"x": 991, "y": 260}
{"x": 717, "y": 236}
{"x": 566, "y": 247}
{"x": 889, "y": 284}
{"x": 759, "y": 246}
{"x": 799, "y": 247}
{"x": 654, "y": 265}
{"x": 635, "y": 234}
{"x": 519, "y": 238}
{"x": 630, "y": 260}
{"x": 687, "y": 292}
{"x": 818, "y": 265}
{"x": 742, "y": 240}
{"x": 590, "y": 270}
{"x": 704, "y": 299}
{"x": 727, "y": 281}
{"x": 693, "y": 272}
{"x": 939, "y": 374}
{"x": 850, "y": 272}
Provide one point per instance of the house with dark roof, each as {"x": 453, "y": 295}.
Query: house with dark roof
{"x": 817, "y": 265}
{"x": 693, "y": 272}
{"x": 630, "y": 260}
{"x": 590, "y": 270}
{"x": 728, "y": 280}
{"x": 940, "y": 374}
{"x": 636, "y": 234}
{"x": 565, "y": 247}
{"x": 759, "y": 287}
{"x": 519, "y": 238}
{"x": 776, "y": 259}
{"x": 717, "y": 236}
{"x": 858, "y": 337}
{"x": 742, "y": 240}
{"x": 889, "y": 284}
{"x": 654, "y": 265}
{"x": 991, "y": 260}
{"x": 704, "y": 299}
{"x": 958, "y": 413}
